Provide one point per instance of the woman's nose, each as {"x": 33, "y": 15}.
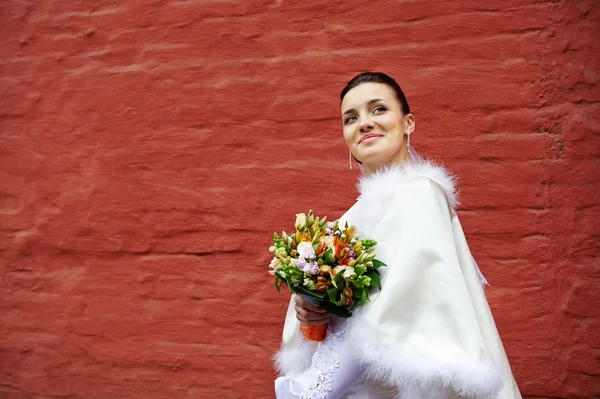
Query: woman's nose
{"x": 366, "y": 126}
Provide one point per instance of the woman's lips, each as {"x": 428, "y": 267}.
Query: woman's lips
{"x": 369, "y": 138}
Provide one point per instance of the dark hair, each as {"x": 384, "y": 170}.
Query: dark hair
{"x": 377, "y": 77}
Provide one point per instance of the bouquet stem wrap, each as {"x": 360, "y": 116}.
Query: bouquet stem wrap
{"x": 313, "y": 332}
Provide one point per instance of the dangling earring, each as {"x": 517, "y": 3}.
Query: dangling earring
{"x": 408, "y": 141}
{"x": 350, "y": 157}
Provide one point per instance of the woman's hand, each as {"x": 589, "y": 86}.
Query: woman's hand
{"x": 310, "y": 314}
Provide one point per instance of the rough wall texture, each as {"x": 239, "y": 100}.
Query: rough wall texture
{"x": 150, "y": 148}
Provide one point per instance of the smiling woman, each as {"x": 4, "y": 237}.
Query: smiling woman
{"x": 429, "y": 332}
{"x": 377, "y": 121}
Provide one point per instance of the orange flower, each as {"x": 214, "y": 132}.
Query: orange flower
{"x": 322, "y": 284}
{"x": 347, "y": 295}
{"x": 321, "y": 249}
{"x": 339, "y": 246}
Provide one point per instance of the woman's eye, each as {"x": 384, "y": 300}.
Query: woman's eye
{"x": 379, "y": 109}
{"x": 349, "y": 119}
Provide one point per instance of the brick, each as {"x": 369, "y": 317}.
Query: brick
{"x": 583, "y": 302}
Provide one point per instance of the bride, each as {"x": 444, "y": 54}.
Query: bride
{"x": 429, "y": 332}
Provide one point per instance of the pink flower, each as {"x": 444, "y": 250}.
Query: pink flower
{"x": 306, "y": 250}
{"x": 302, "y": 264}
{"x": 312, "y": 267}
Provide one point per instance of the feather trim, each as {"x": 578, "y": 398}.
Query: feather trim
{"x": 386, "y": 178}
{"x": 293, "y": 360}
{"x": 412, "y": 372}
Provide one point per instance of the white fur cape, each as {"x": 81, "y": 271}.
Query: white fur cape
{"x": 429, "y": 330}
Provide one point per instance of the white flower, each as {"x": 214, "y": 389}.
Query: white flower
{"x": 280, "y": 252}
{"x": 349, "y": 270}
{"x": 306, "y": 250}
{"x": 308, "y": 283}
{"x": 300, "y": 221}
{"x": 275, "y": 263}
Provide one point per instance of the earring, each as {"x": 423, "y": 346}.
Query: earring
{"x": 408, "y": 141}
{"x": 350, "y": 157}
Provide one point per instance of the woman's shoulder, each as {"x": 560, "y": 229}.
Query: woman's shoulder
{"x": 420, "y": 178}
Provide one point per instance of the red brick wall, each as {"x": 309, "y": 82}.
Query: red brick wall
{"x": 150, "y": 148}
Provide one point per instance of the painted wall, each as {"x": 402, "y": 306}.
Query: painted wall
{"x": 150, "y": 148}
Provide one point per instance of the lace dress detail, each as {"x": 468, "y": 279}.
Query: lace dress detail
{"x": 325, "y": 361}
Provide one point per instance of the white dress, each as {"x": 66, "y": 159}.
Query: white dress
{"x": 429, "y": 332}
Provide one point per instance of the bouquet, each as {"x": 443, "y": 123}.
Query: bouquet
{"x": 331, "y": 265}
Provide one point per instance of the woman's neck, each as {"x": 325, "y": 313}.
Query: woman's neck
{"x": 399, "y": 160}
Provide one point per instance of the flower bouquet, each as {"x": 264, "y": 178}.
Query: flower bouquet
{"x": 329, "y": 264}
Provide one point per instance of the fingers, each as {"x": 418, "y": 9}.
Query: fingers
{"x": 307, "y": 305}
{"x": 310, "y": 314}
{"x": 307, "y": 316}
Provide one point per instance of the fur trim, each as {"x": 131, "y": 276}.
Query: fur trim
{"x": 292, "y": 361}
{"x": 386, "y": 178}
{"x": 374, "y": 189}
{"x": 412, "y": 372}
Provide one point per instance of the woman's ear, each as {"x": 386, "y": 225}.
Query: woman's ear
{"x": 410, "y": 123}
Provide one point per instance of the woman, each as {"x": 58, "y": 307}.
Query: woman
{"x": 429, "y": 332}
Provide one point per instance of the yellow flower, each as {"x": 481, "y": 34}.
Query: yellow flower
{"x": 350, "y": 233}
{"x": 303, "y": 237}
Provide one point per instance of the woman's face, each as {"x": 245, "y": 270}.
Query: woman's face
{"x": 375, "y": 128}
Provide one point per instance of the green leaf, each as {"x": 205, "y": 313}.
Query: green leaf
{"x": 332, "y": 292}
{"x": 278, "y": 274}
{"x": 337, "y": 310}
{"x": 377, "y": 264}
{"x": 277, "y": 284}
{"x": 315, "y": 246}
{"x": 353, "y": 306}
{"x": 328, "y": 256}
{"x": 339, "y": 279}
{"x": 364, "y": 297}
{"x": 312, "y": 294}
{"x": 338, "y": 303}
{"x": 359, "y": 270}
{"x": 357, "y": 293}
{"x": 375, "y": 281}
{"x": 342, "y": 253}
